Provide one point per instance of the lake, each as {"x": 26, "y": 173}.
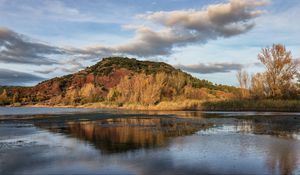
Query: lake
{"x": 92, "y": 141}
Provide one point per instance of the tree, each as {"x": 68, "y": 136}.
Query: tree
{"x": 4, "y": 94}
{"x": 141, "y": 88}
{"x": 244, "y": 82}
{"x": 72, "y": 97}
{"x": 15, "y": 97}
{"x": 280, "y": 72}
{"x": 89, "y": 93}
{"x": 257, "y": 89}
{"x": 4, "y": 98}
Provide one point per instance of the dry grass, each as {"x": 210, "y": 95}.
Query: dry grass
{"x": 253, "y": 105}
{"x": 179, "y": 105}
{"x": 165, "y": 105}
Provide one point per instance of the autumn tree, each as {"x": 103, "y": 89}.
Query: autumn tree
{"x": 72, "y": 97}
{"x": 4, "y": 98}
{"x": 90, "y": 93}
{"x": 280, "y": 72}
{"x": 145, "y": 89}
{"x": 56, "y": 100}
{"x": 4, "y": 94}
{"x": 257, "y": 89}
{"x": 195, "y": 93}
{"x": 152, "y": 89}
{"x": 15, "y": 97}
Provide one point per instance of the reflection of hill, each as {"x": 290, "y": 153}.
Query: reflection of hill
{"x": 122, "y": 134}
{"x": 136, "y": 132}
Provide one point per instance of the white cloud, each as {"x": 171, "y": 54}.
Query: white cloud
{"x": 217, "y": 20}
{"x": 174, "y": 29}
{"x": 180, "y": 28}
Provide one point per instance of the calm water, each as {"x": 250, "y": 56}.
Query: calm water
{"x": 129, "y": 142}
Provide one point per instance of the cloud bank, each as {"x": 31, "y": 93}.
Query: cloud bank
{"x": 210, "y": 68}
{"x": 172, "y": 29}
{"x": 10, "y": 77}
{"x": 17, "y": 48}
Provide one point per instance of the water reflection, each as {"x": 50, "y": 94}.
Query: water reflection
{"x": 118, "y": 134}
{"x": 122, "y": 134}
{"x": 153, "y": 143}
{"x": 282, "y": 157}
{"x": 284, "y": 127}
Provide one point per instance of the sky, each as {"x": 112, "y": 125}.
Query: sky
{"x": 211, "y": 39}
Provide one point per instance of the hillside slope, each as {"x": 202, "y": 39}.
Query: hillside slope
{"x": 120, "y": 80}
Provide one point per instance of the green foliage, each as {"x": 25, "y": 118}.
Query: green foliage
{"x": 64, "y": 79}
{"x": 108, "y": 65}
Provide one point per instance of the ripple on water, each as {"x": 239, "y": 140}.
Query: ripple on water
{"x": 15, "y": 144}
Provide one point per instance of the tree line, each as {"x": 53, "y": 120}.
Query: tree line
{"x": 280, "y": 80}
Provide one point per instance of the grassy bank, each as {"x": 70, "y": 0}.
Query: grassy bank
{"x": 253, "y": 105}
{"x": 165, "y": 105}
{"x": 227, "y": 105}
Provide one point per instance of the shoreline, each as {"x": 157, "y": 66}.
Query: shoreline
{"x": 169, "y": 106}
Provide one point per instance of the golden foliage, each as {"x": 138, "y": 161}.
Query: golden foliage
{"x": 4, "y": 94}
{"x": 141, "y": 88}
{"x": 258, "y": 90}
{"x": 195, "y": 93}
{"x": 153, "y": 89}
{"x": 89, "y": 93}
{"x": 279, "y": 79}
{"x": 3, "y": 98}
{"x": 71, "y": 97}
{"x": 280, "y": 72}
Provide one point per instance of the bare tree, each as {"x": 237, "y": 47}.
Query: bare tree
{"x": 244, "y": 82}
{"x": 243, "y": 78}
{"x": 281, "y": 70}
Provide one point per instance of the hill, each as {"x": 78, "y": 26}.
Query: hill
{"x": 120, "y": 81}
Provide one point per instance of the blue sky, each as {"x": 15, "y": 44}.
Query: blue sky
{"x": 211, "y": 39}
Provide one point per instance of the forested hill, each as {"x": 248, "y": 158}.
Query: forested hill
{"x": 121, "y": 80}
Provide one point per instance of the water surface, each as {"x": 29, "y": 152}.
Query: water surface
{"x": 132, "y": 142}
{"x": 42, "y": 110}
